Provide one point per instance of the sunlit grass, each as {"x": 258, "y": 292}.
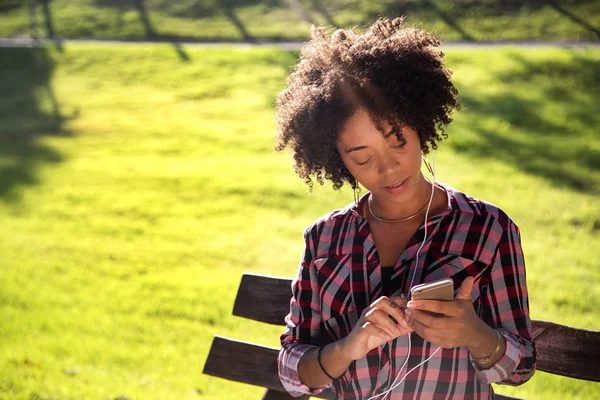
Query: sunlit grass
{"x": 132, "y": 203}
{"x": 243, "y": 20}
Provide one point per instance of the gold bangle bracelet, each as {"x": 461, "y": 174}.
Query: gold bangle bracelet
{"x": 485, "y": 360}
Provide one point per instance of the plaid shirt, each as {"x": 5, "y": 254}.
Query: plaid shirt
{"x": 340, "y": 275}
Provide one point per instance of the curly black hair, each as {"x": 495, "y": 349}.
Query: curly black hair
{"x": 393, "y": 72}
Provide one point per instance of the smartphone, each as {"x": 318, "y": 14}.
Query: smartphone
{"x": 438, "y": 290}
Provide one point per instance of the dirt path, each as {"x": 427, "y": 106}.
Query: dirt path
{"x": 28, "y": 42}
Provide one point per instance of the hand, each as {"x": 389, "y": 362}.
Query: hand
{"x": 375, "y": 327}
{"x": 452, "y": 324}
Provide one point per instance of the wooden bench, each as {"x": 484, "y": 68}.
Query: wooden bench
{"x": 561, "y": 350}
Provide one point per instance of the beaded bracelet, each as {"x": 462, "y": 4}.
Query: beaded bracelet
{"x": 485, "y": 360}
{"x": 321, "y": 364}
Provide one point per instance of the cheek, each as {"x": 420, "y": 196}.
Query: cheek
{"x": 415, "y": 161}
{"x": 351, "y": 167}
{"x": 361, "y": 173}
{"x": 355, "y": 170}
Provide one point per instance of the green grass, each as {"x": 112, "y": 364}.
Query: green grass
{"x": 136, "y": 187}
{"x": 237, "y": 20}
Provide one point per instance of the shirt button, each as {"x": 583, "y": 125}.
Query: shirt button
{"x": 374, "y": 263}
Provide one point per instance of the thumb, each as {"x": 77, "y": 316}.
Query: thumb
{"x": 464, "y": 293}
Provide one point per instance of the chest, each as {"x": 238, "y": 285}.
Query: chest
{"x": 391, "y": 240}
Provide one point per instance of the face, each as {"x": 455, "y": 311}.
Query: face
{"x": 388, "y": 168}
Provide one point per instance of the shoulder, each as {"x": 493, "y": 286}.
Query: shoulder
{"x": 469, "y": 207}
{"x": 475, "y": 228}
{"x": 335, "y": 233}
{"x": 335, "y": 220}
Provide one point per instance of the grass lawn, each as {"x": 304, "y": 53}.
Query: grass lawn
{"x": 247, "y": 20}
{"x": 138, "y": 182}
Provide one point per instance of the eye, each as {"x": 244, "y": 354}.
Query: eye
{"x": 400, "y": 146}
{"x": 365, "y": 162}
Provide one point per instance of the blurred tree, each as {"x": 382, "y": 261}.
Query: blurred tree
{"x": 9, "y": 5}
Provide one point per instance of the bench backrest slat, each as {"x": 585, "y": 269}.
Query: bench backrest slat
{"x": 561, "y": 349}
{"x": 246, "y": 362}
{"x": 263, "y": 298}
{"x": 567, "y": 351}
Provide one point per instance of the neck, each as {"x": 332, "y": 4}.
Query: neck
{"x": 393, "y": 211}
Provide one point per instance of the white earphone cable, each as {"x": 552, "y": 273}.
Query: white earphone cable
{"x": 395, "y": 384}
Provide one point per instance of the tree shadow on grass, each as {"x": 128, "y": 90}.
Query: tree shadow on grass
{"x": 150, "y": 32}
{"x": 229, "y": 11}
{"x": 452, "y": 18}
{"x": 578, "y": 20}
{"x": 199, "y": 9}
{"x": 298, "y": 8}
{"x": 318, "y": 6}
{"x": 188, "y": 10}
{"x": 29, "y": 110}
{"x": 48, "y": 22}
{"x": 562, "y": 150}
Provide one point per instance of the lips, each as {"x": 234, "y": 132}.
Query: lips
{"x": 396, "y": 187}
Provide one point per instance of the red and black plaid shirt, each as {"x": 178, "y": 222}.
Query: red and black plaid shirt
{"x": 340, "y": 275}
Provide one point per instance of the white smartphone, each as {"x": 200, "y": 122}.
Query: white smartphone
{"x": 438, "y": 290}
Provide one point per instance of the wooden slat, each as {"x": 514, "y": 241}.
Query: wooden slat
{"x": 256, "y": 365}
{"x": 567, "y": 351}
{"x": 245, "y": 362}
{"x": 561, "y": 349}
{"x": 263, "y": 298}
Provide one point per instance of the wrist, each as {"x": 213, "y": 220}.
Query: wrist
{"x": 332, "y": 360}
{"x": 484, "y": 341}
{"x": 489, "y": 349}
{"x": 342, "y": 350}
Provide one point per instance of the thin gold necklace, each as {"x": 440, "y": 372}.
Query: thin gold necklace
{"x": 394, "y": 220}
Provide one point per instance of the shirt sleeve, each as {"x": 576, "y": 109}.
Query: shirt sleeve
{"x": 302, "y": 332}
{"x": 506, "y": 306}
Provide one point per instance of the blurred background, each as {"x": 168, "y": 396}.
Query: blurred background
{"x": 138, "y": 179}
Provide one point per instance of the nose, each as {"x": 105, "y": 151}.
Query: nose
{"x": 387, "y": 163}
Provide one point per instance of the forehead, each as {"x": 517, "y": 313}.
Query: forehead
{"x": 360, "y": 127}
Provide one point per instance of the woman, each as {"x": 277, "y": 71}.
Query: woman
{"x": 364, "y": 109}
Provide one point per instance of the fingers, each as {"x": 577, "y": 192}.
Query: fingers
{"x": 400, "y": 301}
{"x": 464, "y": 292}
{"x": 418, "y": 327}
{"x": 429, "y": 327}
{"x": 432, "y": 335}
{"x": 379, "y": 318}
{"x": 374, "y": 330}
{"x": 441, "y": 331}
{"x": 447, "y": 308}
{"x": 392, "y": 307}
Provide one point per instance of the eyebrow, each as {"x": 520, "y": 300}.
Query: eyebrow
{"x": 351, "y": 149}
{"x": 357, "y": 148}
